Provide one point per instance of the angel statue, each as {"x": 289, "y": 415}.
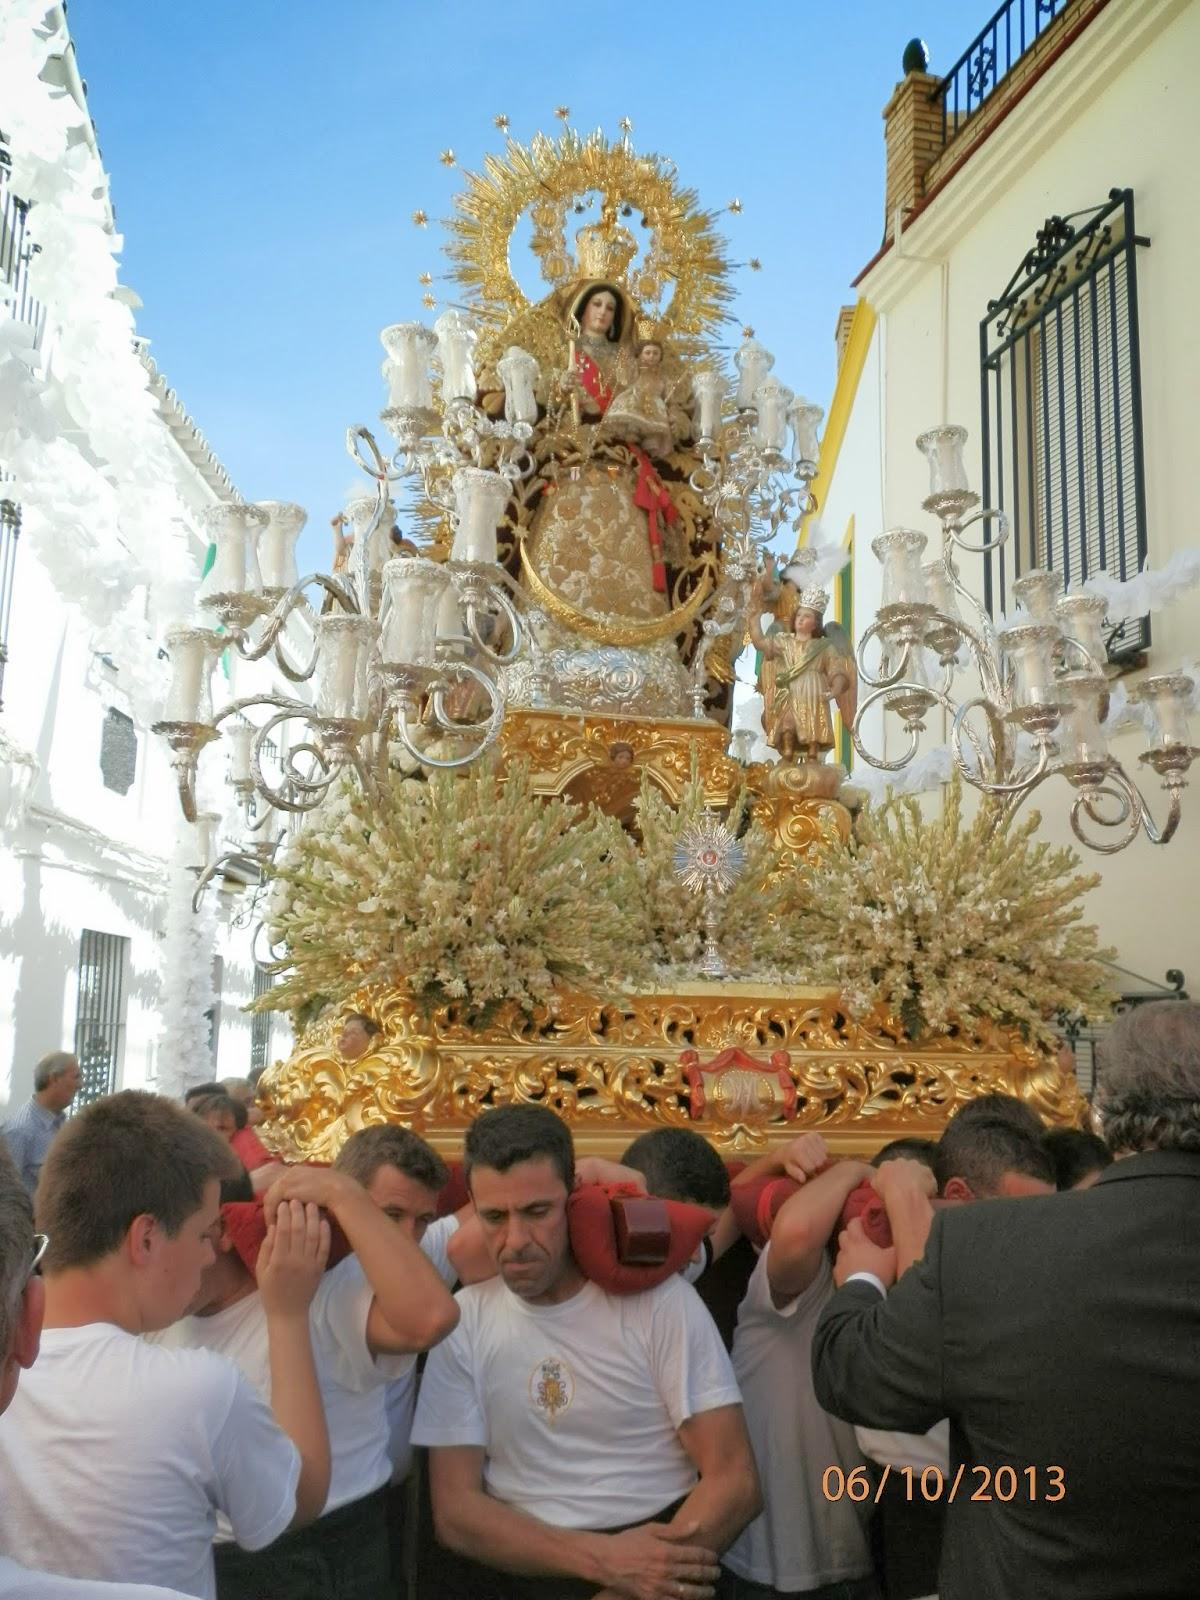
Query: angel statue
{"x": 806, "y": 663}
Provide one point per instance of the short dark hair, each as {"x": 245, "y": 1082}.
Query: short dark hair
{"x": 1074, "y": 1154}
{"x": 199, "y": 1090}
{"x": 1006, "y": 1108}
{"x": 981, "y": 1149}
{"x": 366, "y": 1151}
{"x": 51, "y": 1067}
{"x": 208, "y": 1104}
{"x": 128, "y": 1155}
{"x": 16, "y": 1245}
{"x": 237, "y": 1188}
{"x": 369, "y": 1026}
{"x": 678, "y": 1164}
{"x": 912, "y": 1148}
{"x": 507, "y": 1135}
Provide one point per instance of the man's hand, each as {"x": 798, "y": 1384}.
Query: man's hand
{"x": 856, "y": 1253}
{"x": 292, "y": 1259}
{"x": 595, "y": 1169}
{"x": 805, "y": 1157}
{"x": 903, "y": 1176}
{"x": 319, "y": 1186}
{"x": 657, "y": 1561}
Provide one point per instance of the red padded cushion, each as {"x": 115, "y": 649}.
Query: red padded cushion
{"x": 247, "y": 1227}
{"x": 865, "y": 1204}
{"x": 757, "y": 1204}
{"x": 593, "y": 1228}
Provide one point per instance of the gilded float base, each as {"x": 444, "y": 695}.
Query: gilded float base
{"x": 612, "y": 1068}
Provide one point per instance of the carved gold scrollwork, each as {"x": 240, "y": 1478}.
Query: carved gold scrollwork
{"x": 612, "y": 1067}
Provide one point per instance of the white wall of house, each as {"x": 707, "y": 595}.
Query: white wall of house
{"x": 1118, "y": 109}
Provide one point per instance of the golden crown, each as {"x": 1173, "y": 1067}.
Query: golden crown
{"x": 604, "y": 250}
{"x": 813, "y": 599}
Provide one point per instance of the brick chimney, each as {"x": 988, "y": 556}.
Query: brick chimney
{"x": 841, "y": 333}
{"x": 912, "y": 123}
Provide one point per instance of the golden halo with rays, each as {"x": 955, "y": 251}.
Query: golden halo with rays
{"x": 544, "y": 178}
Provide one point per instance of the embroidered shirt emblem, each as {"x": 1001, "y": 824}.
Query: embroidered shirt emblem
{"x": 551, "y": 1386}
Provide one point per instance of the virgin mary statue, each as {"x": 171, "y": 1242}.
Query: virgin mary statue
{"x": 600, "y": 514}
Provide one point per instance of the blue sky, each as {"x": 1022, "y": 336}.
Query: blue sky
{"x": 265, "y": 159}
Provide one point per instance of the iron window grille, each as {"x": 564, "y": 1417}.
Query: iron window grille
{"x": 100, "y": 1013}
{"x": 1061, "y": 401}
{"x": 260, "y": 1024}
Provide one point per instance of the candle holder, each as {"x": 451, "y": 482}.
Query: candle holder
{"x": 1041, "y": 677}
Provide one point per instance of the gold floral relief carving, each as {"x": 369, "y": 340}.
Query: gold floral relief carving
{"x": 611, "y": 1068}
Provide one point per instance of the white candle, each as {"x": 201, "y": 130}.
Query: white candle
{"x": 456, "y": 341}
{"x": 277, "y": 543}
{"x": 772, "y": 399}
{"x": 409, "y": 346}
{"x": 1168, "y": 696}
{"x": 234, "y": 529}
{"x": 1027, "y": 647}
{"x": 340, "y": 642}
{"x": 241, "y": 738}
{"x": 753, "y": 362}
{"x": 710, "y": 389}
{"x": 479, "y": 500}
{"x": 943, "y": 449}
{"x": 518, "y": 372}
{"x": 207, "y": 825}
{"x": 1081, "y": 618}
{"x": 1081, "y": 740}
{"x": 414, "y": 587}
{"x": 805, "y": 419}
{"x": 190, "y": 650}
{"x": 900, "y": 552}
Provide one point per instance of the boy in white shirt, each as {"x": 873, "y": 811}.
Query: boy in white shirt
{"x": 117, "y": 1456}
{"x": 582, "y": 1443}
{"x": 22, "y": 1303}
{"x": 369, "y": 1317}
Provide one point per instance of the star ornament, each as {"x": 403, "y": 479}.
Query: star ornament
{"x": 447, "y": 158}
{"x": 709, "y": 857}
{"x": 625, "y": 125}
{"x": 735, "y": 206}
{"x": 500, "y": 121}
{"x": 425, "y": 279}
{"x": 420, "y": 219}
{"x": 562, "y": 112}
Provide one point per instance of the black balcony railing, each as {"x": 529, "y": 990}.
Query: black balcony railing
{"x": 990, "y": 57}
{"x": 10, "y": 533}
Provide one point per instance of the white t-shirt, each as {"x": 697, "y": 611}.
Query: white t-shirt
{"x": 802, "y": 1540}
{"x": 19, "y": 1583}
{"x": 577, "y": 1405}
{"x": 915, "y": 1450}
{"x": 351, "y": 1379}
{"x": 116, "y": 1456}
{"x": 400, "y": 1398}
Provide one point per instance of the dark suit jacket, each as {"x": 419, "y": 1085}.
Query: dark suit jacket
{"x": 1061, "y": 1330}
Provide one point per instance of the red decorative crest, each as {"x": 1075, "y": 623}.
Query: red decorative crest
{"x": 736, "y": 1087}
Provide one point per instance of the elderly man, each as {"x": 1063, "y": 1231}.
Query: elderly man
{"x": 1062, "y": 1339}
{"x": 31, "y": 1132}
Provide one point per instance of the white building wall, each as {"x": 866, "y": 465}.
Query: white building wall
{"x": 1118, "y": 109}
